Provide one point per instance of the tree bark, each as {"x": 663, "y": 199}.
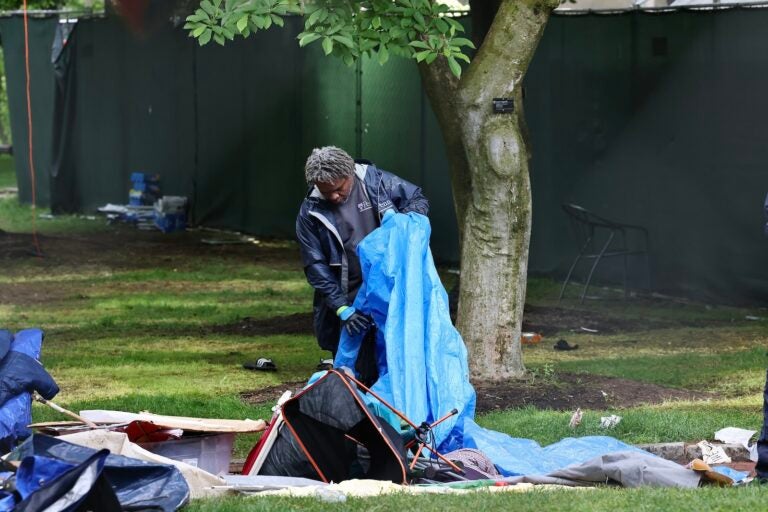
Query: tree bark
{"x": 492, "y": 189}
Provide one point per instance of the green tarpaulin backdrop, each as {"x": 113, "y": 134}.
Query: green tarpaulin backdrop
{"x": 652, "y": 119}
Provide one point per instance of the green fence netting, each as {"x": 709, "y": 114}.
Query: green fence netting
{"x": 652, "y": 119}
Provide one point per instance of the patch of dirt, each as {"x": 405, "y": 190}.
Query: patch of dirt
{"x": 122, "y": 247}
{"x": 567, "y": 391}
{"x": 551, "y": 320}
{"x": 270, "y": 394}
{"x": 298, "y": 323}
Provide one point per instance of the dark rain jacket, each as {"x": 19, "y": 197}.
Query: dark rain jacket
{"x": 322, "y": 251}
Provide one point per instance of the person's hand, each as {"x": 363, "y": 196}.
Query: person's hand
{"x": 355, "y": 322}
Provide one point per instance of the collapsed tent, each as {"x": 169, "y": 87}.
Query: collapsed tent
{"x": 74, "y": 477}
{"x": 423, "y": 361}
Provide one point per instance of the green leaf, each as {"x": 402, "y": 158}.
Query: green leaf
{"x": 462, "y": 57}
{"x": 242, "y": 23}
{"x": 442, "y": 26}
{"x": 228, "y": 33}
{"x": 431, "y": 57}
{"x": 376, "y": 22}
{"x": 383, "y": 54}
{"x": 205, "y": 37}
{"x": 307, "y": 38}
{"x": 277, "y": 20}
{"x": 327, "y": 45}
{"x": 455, "y": 67}
{"x": 420, "y": 56}
{"x": 419, "y": 44}
{"x": 349, "y": 60}
{"x": 346, "y": 41}
{"x": 217, "y": 3}
{"x": 219, "y": 39}
{"x": 267, "y": 22}
{"x": 198, "y": 16}
{"x": 199, "y": 30}
{"x": 419, "y": 18}
{"x": 207, "y": 7}
{"x": 462, "y": 41}
{"x": 316, "y": 17}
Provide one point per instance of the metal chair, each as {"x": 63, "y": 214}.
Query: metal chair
{"x": 599, "y": 238}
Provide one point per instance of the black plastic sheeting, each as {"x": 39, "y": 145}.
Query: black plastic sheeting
{"x": 646, "y": 118}
{"x": 138, "y": 485}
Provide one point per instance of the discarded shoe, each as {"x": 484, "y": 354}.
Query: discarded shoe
{"x": 262, "y": 364}
{"x": 563, "y": 345}
{"x": 325, "y": 365}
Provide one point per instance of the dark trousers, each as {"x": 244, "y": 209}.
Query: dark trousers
{"x": 762, "y": 444}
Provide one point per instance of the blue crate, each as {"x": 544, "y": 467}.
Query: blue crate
{"x": 170, "y": 222}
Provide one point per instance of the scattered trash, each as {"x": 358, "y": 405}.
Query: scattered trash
{"x": 530, "y": 338}
{"x": 325, "y": 364}
{"x": 713, "y": 454}
{"x": 709, "y": 475}
{"x": 609, "y": 421}
{"x": 262, "y": 364}
{"x": 563, "y": 345}
{"x": 171, "y": 213}
{"x": 587, "y": 329}
{"x": 575, "y": 418}
{"x": 46, "y": 216}
{"x": 738, "y": 436}
{"x": 754, "y": 318}
{"x": 605, "y": 395}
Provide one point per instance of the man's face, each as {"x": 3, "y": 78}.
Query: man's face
{"x": 337, "y": 191}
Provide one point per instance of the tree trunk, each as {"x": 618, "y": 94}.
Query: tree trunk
{"x": 492, "y": 192}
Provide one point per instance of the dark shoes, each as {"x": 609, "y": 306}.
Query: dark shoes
{"x": 563, "y": 345}
{"x": 262, "y": 364}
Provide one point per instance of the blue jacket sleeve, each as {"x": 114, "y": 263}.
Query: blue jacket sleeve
{"x": 406, "y": 196}
{"x": 319, "y": 273}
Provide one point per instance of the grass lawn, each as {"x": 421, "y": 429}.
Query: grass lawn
{"x": 7, "y": 172}
{"x": 137, "y": 321}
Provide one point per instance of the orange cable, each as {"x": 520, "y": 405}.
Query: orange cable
{"x": 29, "y": 135}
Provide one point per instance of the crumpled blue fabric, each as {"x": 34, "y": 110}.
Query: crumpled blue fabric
{"x": 421, "y": 357}
{"x": 16, "y": 413}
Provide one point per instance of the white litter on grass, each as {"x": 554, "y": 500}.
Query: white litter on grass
{"x": 575, "y": 418}
{"x": 609, "y": 421}
{"x": 754, "y": 318}
{"x": 712, "y": 454}
{"x": 587, "y": 329}
{"x": 740, "y": 436}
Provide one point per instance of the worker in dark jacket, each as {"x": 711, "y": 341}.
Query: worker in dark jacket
{"x": 345, "y": 201}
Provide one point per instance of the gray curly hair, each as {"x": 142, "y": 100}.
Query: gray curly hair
{"x": 328, "y": 164}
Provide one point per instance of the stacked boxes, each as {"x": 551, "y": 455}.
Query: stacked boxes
{"x": 171, "y": 213}
{"x": 145, "y": 189}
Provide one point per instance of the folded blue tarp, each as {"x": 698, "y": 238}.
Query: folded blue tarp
{"x": 423, "y": 360}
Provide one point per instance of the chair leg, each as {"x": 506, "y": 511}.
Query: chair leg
{"x": 568, "y": 277}
{"x": 626, "y": 288}
{"x": 594, "y": 266}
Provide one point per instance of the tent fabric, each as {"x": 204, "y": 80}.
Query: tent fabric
{"x": 423, "y": 361}
{"x": 200, "y": 482}
{"x": 138, "y": 485}
{"x": 16, "y": 407}
{"x": 630, "y": 469}
{"x": 423, "y": 370}
{"x": 50, "y": 484}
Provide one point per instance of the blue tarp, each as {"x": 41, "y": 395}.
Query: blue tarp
{"x": 423, "y": 368}
{"x": 422, "y": 359}
{"x": 16, "y": 413}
